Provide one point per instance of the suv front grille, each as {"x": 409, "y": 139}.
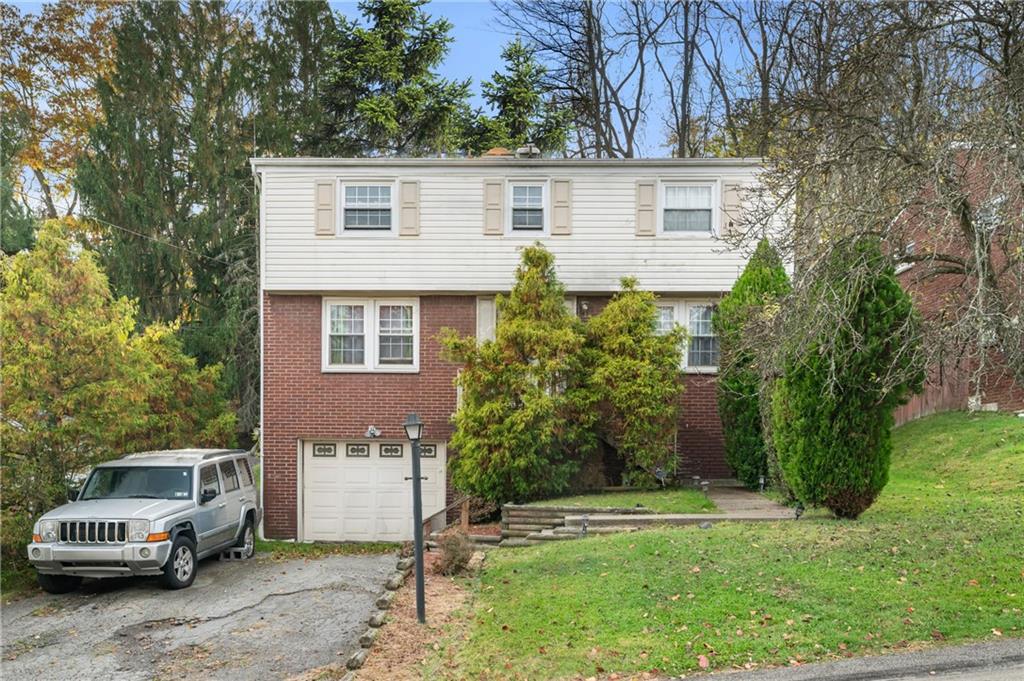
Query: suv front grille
{"x": 93, "y": 532}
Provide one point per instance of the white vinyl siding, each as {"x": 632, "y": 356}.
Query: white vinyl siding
{"x": 701, "y": 351}
{"x": 370, "y": 335}
{"x": 453, "y": 255}
{"x": 688, "y": 208}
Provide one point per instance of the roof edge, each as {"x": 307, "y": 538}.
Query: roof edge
{"x": 497, "y": 161}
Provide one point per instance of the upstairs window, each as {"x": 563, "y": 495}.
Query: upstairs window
{"x": 703, "y": 350}
{"x": 687, "y": 208}
{"x": 527, "y": 208}
{"x": 367, "y": 207}
{"x": 370, "y": 335}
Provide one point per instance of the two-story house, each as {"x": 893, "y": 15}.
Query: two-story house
{"x": 364, "y": 261}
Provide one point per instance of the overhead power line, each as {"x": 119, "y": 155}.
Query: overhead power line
{"x": 128, "y": 230}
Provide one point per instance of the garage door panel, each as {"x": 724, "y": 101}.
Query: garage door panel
{"x": 365, "y": 498}
{"x": 355, "y": 501}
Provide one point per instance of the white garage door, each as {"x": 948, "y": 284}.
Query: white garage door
{"x": 357, "y": 491}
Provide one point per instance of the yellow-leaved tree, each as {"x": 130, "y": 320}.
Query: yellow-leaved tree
{"x": 82, "y": 385}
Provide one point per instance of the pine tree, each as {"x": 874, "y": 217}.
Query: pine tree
{"x": 526, "y": 416}
{"x": 832, "y": 410}
{"x": 634, "y": 372}
{"x": 761, "y": 285}
{"x": 292, "y": 49}
{"x": 524, "y": 110}
{"x": 381, "y": 94}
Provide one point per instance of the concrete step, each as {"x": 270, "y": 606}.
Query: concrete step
{"x": 613, "y": 519}
{"x": 570, "y": 510}
{"x": 485, "y": 538}
{"x": 533, "y": 527}
{"x": 532, "y": 517}
{"x": 550, "y": 536}
{"x": 611, "y": 529}
{"x": 515, "y": 533}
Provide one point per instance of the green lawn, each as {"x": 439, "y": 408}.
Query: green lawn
{"x": 659, "y": 500}
{"x": 939, "y": 558}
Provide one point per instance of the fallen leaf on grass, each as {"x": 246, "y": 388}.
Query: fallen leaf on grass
{"x": 702, "y": 661}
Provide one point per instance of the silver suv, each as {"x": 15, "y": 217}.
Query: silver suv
{"x": 155, "y": 513}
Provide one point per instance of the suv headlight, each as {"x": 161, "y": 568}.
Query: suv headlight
{"x": 138, "y": 530}
{"x": 47, "y": 530}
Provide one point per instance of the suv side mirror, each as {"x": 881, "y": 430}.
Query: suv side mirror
{"x": 73, "y": 494}
{"x": 207, "y": 495}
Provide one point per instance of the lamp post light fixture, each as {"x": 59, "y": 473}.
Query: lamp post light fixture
{"x": 414, "y": 431}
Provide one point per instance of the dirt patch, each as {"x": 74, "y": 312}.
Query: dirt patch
{"x": 492, "y": 529}
{"x": 404, "y": 643}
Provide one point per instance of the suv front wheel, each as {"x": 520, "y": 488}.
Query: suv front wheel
{"x": 180, "y": 568}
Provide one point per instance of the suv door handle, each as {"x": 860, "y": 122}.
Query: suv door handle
{"x": 222, "y": 505}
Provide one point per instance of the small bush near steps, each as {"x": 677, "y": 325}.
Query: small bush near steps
{"x": 456, "y": 550}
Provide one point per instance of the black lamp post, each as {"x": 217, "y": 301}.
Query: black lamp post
{"x": 414, "y": 431}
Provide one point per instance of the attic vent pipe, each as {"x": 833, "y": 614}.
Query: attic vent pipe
{"x": 528, "y": 151}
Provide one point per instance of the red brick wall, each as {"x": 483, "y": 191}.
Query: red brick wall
{"x": 301, "y": 402}
{"x": 700, "y": 444}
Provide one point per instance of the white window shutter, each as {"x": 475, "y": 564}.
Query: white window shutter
{"x": 324, "y": 192}
{"x": 732, "y": 209}
{"x": 409, "y": 208}
{"x": 486, "y": 318}
{"x": 646, "y": 208}
{"x": 561, "y": 206}
{"x": 494, "y": 207}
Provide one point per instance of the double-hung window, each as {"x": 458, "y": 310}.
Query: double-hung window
{"x": 701, "y": 351}
{"x": 371, "y": 335}
{"x": 527, "y": 207}
{"x": 366, "y": 207}
{"x": 688, "y": 208}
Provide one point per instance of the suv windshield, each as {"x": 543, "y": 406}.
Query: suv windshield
{"x": 139, "y": 482}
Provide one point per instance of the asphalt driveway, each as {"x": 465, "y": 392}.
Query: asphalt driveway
{"x": 257, "y": 619}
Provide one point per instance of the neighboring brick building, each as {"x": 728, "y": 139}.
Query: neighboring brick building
{"x": 954, "y": 381}
{"x": 363, "y": 261}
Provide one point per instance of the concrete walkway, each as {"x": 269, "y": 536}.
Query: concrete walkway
{"x": 739, "y": 501}
{"x": 525, "y": 525}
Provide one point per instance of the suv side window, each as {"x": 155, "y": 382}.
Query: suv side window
{"x": 246, "y": 472}
{"x": 227, "y": 469}
{"x": 208, "y": 479}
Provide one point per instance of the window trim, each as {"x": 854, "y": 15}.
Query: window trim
{"x": 371, "y": 334}
{"x": 545, "y": 203}
{"x": 716, "y": 200}
{"x": 681, "y": 315}
{"x": 366, "y": 182}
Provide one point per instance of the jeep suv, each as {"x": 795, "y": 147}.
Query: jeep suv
{"x": 155, "y": 513}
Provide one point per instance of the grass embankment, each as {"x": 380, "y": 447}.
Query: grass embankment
{"x": 669, "y": 500}
{"x": 939, "y": 557}
{"x": 285, "y": 550}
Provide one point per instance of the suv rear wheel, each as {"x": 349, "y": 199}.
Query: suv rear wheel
{"x": 180, "y": 568}
{"x": 58, "y": 584}
{"x": 247, "y": 540}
